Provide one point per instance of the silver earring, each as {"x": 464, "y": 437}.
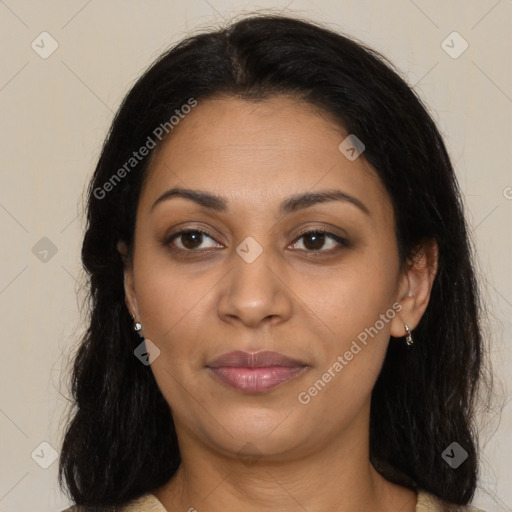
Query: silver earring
{"x": 408, "y": 338}
{"x": 137, "y": 327}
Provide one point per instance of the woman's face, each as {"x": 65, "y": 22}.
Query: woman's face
{"x": 255, "y": 282}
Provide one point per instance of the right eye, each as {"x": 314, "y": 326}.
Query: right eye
{"x": 189, "y": 240}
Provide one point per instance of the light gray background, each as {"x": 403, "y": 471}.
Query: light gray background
{"x": 55, "y": 114}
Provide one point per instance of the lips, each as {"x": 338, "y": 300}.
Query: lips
{"x": 255, "y": 372}
{"x": 261, "y": 359}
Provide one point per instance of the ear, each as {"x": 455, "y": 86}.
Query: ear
{"x": 129, "y": 290}
{"x": 415, "y": 287}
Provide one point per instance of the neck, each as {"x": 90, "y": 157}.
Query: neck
{"x": 336, "y": 476}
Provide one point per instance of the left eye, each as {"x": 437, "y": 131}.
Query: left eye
{"x": 317, "y": 239}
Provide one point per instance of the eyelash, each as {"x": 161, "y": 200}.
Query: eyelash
{"x": 343, "y": 242}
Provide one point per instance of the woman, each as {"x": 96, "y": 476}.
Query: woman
{"x": 284, "y": 312}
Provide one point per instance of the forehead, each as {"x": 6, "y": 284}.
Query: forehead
{"x": 256, "y": 153}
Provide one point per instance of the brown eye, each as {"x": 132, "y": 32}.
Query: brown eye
{"x": 190, "y": 239}
{"x": 316, "y": 240}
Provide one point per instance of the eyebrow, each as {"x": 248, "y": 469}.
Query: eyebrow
{"x": 289, "y": 205}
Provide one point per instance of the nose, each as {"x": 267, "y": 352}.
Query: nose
{"x": 256, "y": 292}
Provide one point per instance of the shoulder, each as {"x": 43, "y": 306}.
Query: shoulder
{"x": 429, "y": 503}
{"x": 146, "y": 503}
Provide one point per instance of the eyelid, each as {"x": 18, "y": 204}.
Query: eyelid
{"x": 167, "y": 239}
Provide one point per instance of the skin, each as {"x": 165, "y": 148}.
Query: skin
{"x": 302, "y": 298}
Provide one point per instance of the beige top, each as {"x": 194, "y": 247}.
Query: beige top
{"x": 426, "y": 503}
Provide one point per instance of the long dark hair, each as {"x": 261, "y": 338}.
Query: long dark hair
{"x": 121, "y": 442}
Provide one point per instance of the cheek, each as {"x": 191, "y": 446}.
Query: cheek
{"x": 351, "y": 326}
{"x": 161, "y": 290}
{"x": 175, "y": 309}
{"x": 175, "y": 305}
{"x": 352, "y": 296}
{"x": 169, "y": 307}
{"x": 354, "y": 340}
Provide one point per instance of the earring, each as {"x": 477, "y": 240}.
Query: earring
{"x": 408, "y": 338}
{"x": 137, "y": 327}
